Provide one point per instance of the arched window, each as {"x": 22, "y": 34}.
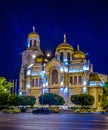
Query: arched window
{"x": 54, "y": 77}
{"x": 68, "y": 56}
{"x": 61, "y": 56}
{"x": 30, "y": 43}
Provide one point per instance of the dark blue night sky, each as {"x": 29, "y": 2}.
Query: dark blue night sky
{"x": 85, "y": 22}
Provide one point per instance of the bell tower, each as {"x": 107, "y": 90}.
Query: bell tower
{"x": 33, "y": 40}
{"x": 33, "y": 48}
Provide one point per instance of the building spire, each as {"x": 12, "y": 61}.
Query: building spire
{"x": 78, "y": 47}
{"x": 33, "y": 28}
{"x": 64, "y": 37}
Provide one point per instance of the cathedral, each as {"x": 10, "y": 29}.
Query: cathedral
{"x": 67, "y": 72}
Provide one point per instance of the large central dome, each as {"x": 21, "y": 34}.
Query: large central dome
{"x": 64, "y": 45}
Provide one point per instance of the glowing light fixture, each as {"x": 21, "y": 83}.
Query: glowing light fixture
{"x": 65, "y": 90}
{"x": 61, "y": 69}
{"x": 48, "y": 54}
{"x": 28, "y": 72}
{"x": 33, "y": 56}
{"x": 84, "y": 89}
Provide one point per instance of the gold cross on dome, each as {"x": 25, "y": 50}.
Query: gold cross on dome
{"x": 64, "y": 37}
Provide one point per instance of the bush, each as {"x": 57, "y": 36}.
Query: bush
{"x": 12, "y": 110}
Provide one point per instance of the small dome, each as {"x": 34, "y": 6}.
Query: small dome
{"x": 94, "y": 77}
{"x": 78, "y": 54}
{"x": 64, "y": 45}
{"x": 41, "y": 59}
{"x": 33, "y": 34}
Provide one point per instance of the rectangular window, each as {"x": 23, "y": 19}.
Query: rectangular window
{"x": 40, "y": 82}
{"x": 32, "y": 82}
{"x": 75, "y": 80}
{"x": 36, "y": 82}
{"x": 79, "y": 80}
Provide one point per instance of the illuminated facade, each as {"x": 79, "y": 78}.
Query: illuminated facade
{"x": 68, "y": 73}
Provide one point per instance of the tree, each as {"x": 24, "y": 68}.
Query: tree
{"x": 3, "y": 98}
{"x": 51, "y": 99}
{"x": 105, "y": 89}
{"x": 26, "y": 100}
{"x": 59, "y": 100}
{"x": 82, "y": 99}
{"x": 12, "y": 100}
{"x": 5, "y": 85}
{"x": 105, "y": 96}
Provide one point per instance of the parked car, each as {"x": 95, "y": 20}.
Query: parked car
{"x": 22, "y": 108}
{"x": 12, "y": 110}
{"x": 54, "y": 109}
{"x": 41, "y": 111}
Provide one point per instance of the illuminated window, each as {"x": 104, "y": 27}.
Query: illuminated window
{"x": 68, "y": 56}
{"x": 54, "y": 77}
{"x": 66, "y": 69}
{"x": 61, "y": 56}
{"x": 46, "y": 80}
{"x": 65, "y": 90}
{"x": 61, "y": 69}
{"x": 61, "y": 80}
{"x": 28, "y": 72}
{"x": 28, "y": 84}
{"x": 84, "y": 81}
{"x": 84, "y": 89}
{"x": 92, "y": 83}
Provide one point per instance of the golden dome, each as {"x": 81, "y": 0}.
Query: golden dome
{"x": 33, "y": 34}
{"x": 78, "y": 54}
{"x": 64, "y": 45}
{"x": 41, "y": 59}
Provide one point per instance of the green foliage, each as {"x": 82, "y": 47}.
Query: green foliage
{"x": 51, "y": 99}
{"x": 3, "y": 98}
{"x": 104, "y": 101}
{"x": 5, "y": 85}
{"x": 105, "y": 96}
{"x": 12, "y": 100}
{"x": 59, "y": 100}
{"x": 105, "y": 89}
{"x": 82, "y": 99}
{"x": 26, "y": 100}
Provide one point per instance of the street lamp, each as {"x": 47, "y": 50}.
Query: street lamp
{"x": 42, "y": 75}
